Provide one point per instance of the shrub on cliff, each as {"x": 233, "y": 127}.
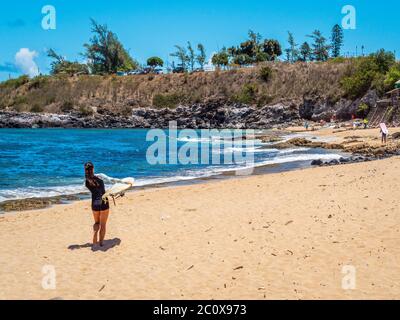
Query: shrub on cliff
{"x": 393, "y": 76}
{"x": 38, "y": 82}
{"x": 363, "y": 110}
{"x": 369, "y": 73}
{"x": 167, "y": 100}
{"x": 248, "y": 94}
{"x": 36, "y": 108}
{"x": 85, "y": 111}
{"x": 15, "y": 83}
{"x": 265, "y": 73}
{"x": 67, "y": 106}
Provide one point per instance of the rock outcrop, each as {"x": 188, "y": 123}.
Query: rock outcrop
{"x": 314, "y": 108}
{"x": 218, "y": 115}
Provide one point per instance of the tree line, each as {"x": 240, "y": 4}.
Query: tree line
{"x": 105, "y": 54}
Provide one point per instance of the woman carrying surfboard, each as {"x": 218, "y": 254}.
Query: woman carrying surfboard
{"x": 100, "y": 207}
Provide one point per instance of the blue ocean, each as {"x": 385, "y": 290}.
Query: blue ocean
{"x": 49, "y": 162}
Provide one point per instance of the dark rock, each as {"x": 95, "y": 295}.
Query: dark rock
{"x": 396, "y": 135}
{"x": 317, "y": 163}
{"x": 215, "y": 114}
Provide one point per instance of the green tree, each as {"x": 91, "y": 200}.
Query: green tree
{"x": 60, "y": 65}
{"x": 337, "y": 40}
{"x": 182, "y": 56}
{"x": 221, "y": 59}
{"x": 249, "y": 51}
{"x": 272, "y": 48}
{"x": 242, "y": 60}
{"x": 201, "y": 57}
{"x": 255, "y": 38}
{"x": 305, "y": 52}
{"x": 392, "y": 76}
{"x": 370, "y": 72}
{"x": 154, "y": 62}
{"x": 191, "y": 57}
{"x": 384, "y": 60}
{"x": 320, "y": 48}
{"x": 292, "y": 52}
{"x": 105, "y": 52}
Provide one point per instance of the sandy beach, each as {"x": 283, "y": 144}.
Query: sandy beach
{"x": 276, "y": 236}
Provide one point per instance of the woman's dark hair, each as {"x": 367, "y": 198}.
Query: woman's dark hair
{"x": 89, "y": 174}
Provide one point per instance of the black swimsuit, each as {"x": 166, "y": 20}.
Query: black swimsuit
{"x": 97, "y": 193}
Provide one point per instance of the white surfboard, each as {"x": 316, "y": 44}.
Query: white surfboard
{"x": 384, "y": 128}
{"x": 119, "y": 189}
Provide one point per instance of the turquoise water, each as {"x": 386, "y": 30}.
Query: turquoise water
{"x": 49, "y": 162}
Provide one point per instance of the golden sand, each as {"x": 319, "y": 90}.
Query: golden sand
{"x": 279, "y": 236}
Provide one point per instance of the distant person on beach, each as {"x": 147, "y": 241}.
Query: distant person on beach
{"x": 366, "y": 122}
{"x": 306, "y": 125}
{"x": 100, "y": 208}
{"x": 384, "y": 133}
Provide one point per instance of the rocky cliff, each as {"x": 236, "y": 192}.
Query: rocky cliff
{"x": 198, "y": 116}
{"x": 261, "y": 97}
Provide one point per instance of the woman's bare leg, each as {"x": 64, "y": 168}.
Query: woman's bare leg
{"x": 103, "y": 225}
{"x": 96, "y": 226}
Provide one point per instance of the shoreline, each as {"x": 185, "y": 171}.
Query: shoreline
{"x": 354, "y": 145}
{"x": 21, "y": 205}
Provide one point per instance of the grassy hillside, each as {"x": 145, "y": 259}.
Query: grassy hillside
{"x": 265, "y": 84}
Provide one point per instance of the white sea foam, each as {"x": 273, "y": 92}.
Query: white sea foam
{"x": 282, "y": 157}
{"x": 42, "y": 192}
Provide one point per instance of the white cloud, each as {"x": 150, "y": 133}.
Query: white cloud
{"x": 24, "y": 60}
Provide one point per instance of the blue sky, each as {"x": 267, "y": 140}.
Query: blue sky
{"x": 153, "y": 27}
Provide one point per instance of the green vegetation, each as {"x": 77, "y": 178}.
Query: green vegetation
{"x": 62, "y": 66}
{"x": 36, "y": 108}
{"x": 363, "y": 110}
{"x": 305, "y": 53}
{"x": 15, "y": 83}
{"x": 292, "y": 54}
{"x": 85, "y": 111}
{"x": 191, "y": 57}
{"x": 67, "y": 106}
{"x": 154, "y": 62}
{"x": 221, "y": 59}
{"x": 320, "y": 50}
{"x": 369, "y": 73}
{"x": 249, "y": 52}
{"x": 105, "y": 53}
{"x": 167, "y": 100}
{"x": 201, "y": 57}
{"x": 272, "y": 49}
{"x": 248, "y": 94}
{"x": 38, "y": 82}
{"x": 336, "y": 40}
{"x": 182, "y": 56}
{"x": 265, "y": 73}
{"x": 392, "y": 76}
{"x": 187, "y": 57}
